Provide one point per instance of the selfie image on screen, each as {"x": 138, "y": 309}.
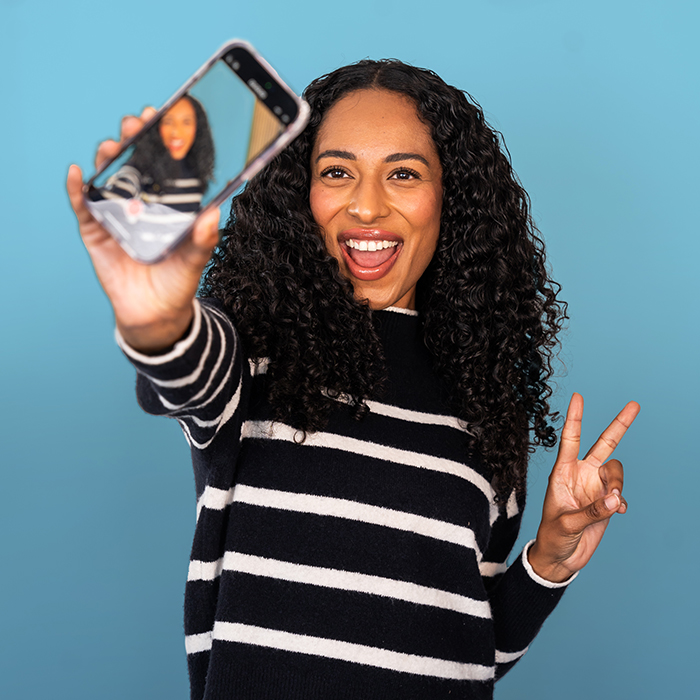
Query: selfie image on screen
{"x": 150, "y": 195}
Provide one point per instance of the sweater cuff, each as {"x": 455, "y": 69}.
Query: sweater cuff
{"x": 539, "y": 579}
{"x": 177, "y": 350}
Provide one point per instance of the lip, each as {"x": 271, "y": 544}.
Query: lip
{"x": 369, "y": 274}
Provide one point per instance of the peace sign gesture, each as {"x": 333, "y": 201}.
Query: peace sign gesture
{"x": 581, "y": 497}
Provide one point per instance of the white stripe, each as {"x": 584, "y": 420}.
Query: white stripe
{"x": 346, "y": 581}
{"x": 492, "y": 568}
{"x": 195, "y": 643}
{"x": 204, "y": 570}
{"x": 219, "y": 422}
{"x": 384, "y": 409}
{"x": 111, "y": 196}
{"x": 505, "y": 657}
{"x": 193, "y": 198}
{"x": 128, "y": 176}
{"x": 194, "y": 375}
{"x": 214, "y": 499}
{"x": 172, "y": 407}
{"x": 184, "y": 182}
{"x": 396, "y": 309}
{"x": 512, "y": 505}
{"x": 361, "y": 512}
{"x": 406, "y": 414}
{"x": 280, "y": 431}
{"x": 346, "y": 651}
{"x": 179, "y": 349}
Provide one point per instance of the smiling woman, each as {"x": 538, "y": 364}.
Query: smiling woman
{"x": 172, "y": 164}
{"x": 360, "y": 390}
{"x": 376, "y": 192}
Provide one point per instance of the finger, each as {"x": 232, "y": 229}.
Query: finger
{"x": 107, "y": 149}
{"x": 612, "y": 475}
{"x": 74, "y": 185}
{"x": 570, "y": 441}
{"x": 130, "y": 127}
{"x": 611, "y": 436}
{"x": 206, "y": 230}
{"x": 148, "y": 113}
{"x": 197, "y": 248}
{"x": 575, "y": 522}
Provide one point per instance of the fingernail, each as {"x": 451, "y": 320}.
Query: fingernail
{"x": 617, "y": 491}
{"x": 612, "y": 501}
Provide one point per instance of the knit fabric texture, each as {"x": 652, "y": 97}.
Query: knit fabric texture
{"x": 368, "y": 560}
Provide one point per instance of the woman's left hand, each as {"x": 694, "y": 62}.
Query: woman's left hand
{"x": 581, "y": 497}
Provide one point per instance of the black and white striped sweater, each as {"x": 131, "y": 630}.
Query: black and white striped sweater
{"x": 368, "y": 561}
{"x": 182, "y": 193}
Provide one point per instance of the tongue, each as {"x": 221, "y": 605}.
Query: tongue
{"x": 368, "y": 259}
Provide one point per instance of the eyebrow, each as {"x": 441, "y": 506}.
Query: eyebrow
{"x": 393, "y": 158}
{"x": 346, "y": 155}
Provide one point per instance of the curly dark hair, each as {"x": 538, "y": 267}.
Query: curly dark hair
{"x": 152, "y": 159}
{"x": 489, "y": 310}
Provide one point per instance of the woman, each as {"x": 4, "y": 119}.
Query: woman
{"x": 361, "y": 392}
{"x": 173, "y": 164}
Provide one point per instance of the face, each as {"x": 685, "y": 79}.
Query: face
{"x": 178, "y": 128}
{"x": 376, "y": 193}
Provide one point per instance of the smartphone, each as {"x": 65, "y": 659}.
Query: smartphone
{"x": 220, "y": 128}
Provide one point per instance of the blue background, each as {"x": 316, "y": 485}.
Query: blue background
{"x": 599, "y": 104}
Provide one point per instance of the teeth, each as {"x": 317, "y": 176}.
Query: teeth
{"x": 370, "y": 245}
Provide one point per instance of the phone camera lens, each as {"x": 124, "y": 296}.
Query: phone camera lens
{"x": 285, "y": 118}
{"x": 277, "y": 110}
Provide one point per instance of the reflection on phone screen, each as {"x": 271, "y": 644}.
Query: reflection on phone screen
{"x": 150, "y": 195}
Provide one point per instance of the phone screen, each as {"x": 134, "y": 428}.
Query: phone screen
{"x": 201, "y": 143}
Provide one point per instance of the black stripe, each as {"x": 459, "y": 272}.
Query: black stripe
{"x": 354, "y": 617}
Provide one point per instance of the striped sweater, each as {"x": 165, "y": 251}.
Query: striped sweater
{"x": 183, "y": 193}
{"x": 368, "y": 561}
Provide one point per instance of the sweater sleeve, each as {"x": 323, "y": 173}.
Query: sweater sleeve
{"x": 198, "y": 381}
{"x": 520, "y": 599}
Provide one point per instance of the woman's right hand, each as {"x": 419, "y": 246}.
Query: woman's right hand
{"x": 152, "y": 303}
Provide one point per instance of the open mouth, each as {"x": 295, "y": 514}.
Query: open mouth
{"x": 370, "y": 255}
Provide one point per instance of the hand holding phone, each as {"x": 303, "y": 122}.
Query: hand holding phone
{"x": 152, "y": 303}
{"x": 149, "y": 216}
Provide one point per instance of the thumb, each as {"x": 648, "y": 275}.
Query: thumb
{"x": 577, "y": 521}
{"x": 205, "y": 235}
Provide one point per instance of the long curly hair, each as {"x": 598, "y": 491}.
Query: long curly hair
{"x": 153, "y": 160}
{"x": 489, "y": 310}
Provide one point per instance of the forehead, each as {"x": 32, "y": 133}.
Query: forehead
{"x": 374, "y": 120}
{"x": 182, "y": 108}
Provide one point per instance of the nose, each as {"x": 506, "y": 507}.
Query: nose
{"x": 368, "y": 203}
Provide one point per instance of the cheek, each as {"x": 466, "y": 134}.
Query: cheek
{"x": 424, "y": 213}
{"x": 322, "y": 210}
{"x": 323, "y": 204}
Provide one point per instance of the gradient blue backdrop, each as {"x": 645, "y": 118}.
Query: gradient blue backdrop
{"x": 599, "y": 104}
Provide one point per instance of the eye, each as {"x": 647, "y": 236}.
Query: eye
{"x": 334, "y": 173}
{"x": 405, "y": 175}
